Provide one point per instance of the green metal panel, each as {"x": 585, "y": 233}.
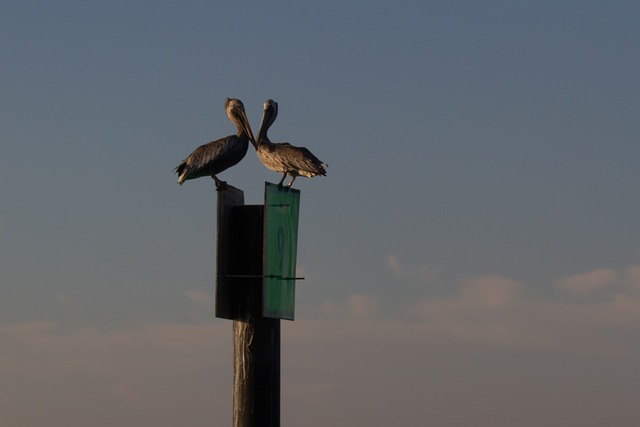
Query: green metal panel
{"x": 282, "y": 207}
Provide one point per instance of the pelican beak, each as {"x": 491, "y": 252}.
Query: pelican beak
{"x": 269, "y": 115}
{"x": 263, "y": 126}
{"x": 247, "y": 129}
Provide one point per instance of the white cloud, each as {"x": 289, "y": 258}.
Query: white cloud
{"x": 396, "y": 267}
{"x": 491, "y": 292}
{"x": 356, "y": 306}
{"x": 497, "y": 311}
{"x": 633, "y": 273}
{"x": 199, "y": 297}
{"x": 588, "y": 283}
{"x": 632, "y": 278}
{"x": 362, "y": 305}
{"x": 489, "y": 333}
{"x": 420, "y": 272}
{"x": 79, "y": 377}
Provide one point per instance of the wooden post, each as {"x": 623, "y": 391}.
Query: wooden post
{"x": 256, "y": 373}
{"x": 256, "y": 339}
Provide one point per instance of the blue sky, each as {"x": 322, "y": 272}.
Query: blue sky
{"x": 472, "y": 256}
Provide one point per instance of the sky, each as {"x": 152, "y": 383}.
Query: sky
{"x": 471, "y": 258}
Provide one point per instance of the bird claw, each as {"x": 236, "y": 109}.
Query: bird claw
{"x": 221, "y": 185}
{"x": 282, "y": 187}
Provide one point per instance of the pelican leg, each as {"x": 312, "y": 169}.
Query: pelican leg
{"x": 220, "y": 185}
{"x": 282, "y": 180}
{"x": 293, "y": 178}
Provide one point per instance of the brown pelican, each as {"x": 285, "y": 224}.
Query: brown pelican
{"x": 216, "y": 156}
{"x": 283, "y": 157}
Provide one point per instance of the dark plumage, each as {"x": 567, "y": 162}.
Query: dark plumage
{"x": 216, "y": 156}
{"x": 283, "y": 157}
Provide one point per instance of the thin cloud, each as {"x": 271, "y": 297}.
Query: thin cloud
{"x": 144, "y": 372}
{"x": 497, "y": 310}
{"x": 589, "y": 283}
{"x": 356, "y": 306}
{"x": 350, "y": 347}
{"x": 491, "y": 292}
{"x": 401, "y": 270}
{"x": 198, "y": 297}
{"x": 362, "y": 305}
{"x": 396, "y": 266}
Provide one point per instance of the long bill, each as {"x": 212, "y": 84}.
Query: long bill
{"x": 262, "y": 131}
{"x": 268, "y": 117}
{"x": 247, "y": 128}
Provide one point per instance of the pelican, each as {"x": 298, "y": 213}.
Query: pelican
{"x": 283, "y": 157}
{"x": 216, "y": 156}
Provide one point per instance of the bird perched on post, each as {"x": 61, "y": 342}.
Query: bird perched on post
{"x": 216, "y": 156}
{"x": 283, "y": 157}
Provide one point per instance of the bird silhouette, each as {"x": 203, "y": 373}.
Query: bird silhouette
{"x": 216, "y": 156}
{"x": 283, "y": 157}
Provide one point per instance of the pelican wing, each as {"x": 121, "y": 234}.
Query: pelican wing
{"x": 209, "y": 152}
{"x": 301, "y": 160}
{"x": 208, "y": 159}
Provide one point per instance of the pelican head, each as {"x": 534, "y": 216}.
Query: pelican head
{"x": 235, "y": 111}
{"x": 269, "y": 114}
